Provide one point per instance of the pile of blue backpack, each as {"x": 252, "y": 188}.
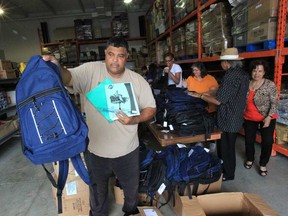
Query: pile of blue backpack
{"x": 183, "y": 167}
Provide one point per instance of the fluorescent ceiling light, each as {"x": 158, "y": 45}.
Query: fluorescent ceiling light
{"x": 127, "y": 1}
{"x": 1, "y": 11}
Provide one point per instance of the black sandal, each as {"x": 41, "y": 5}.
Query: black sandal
{"x": 247, "y": 164}
{"x": 263, "y": 172}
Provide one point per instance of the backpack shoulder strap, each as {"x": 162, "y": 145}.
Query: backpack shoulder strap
{"x": 80, "y": 168}
{"x": 62, "y": 177}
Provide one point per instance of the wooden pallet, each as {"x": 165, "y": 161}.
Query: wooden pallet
{"x": 257, "y": 46}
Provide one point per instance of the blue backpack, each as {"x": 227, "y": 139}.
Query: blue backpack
{"x": 52, "y": 128}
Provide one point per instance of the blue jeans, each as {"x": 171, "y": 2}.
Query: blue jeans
{"x": 251, "y": 128}
{"x": 126, "y": 169}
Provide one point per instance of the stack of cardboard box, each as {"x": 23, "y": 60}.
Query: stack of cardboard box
{"x": 6, "y": 70}
{"x": 239, "y": 31}
{"x": 216, "y": 28}
{"x": 262, "y": 20}
{"x": 75, "y": 197}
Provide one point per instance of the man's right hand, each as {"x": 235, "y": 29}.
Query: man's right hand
{"x": 50, "y": 58}
{"x": 66, "y": 75}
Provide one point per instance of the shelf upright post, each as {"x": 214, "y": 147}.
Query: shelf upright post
{"x": 170, "y": 25}
{"x": 199, "y": 26}
{"x": 280, "y": 59}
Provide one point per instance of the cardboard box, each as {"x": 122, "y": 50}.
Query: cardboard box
{"x": 75, "y": 197}
{"x": 236, "y": 203}
{"x": 281, "y": 133}
{"x": 259, "y": 10}
{"x": 240, "y": 39}
{"x": 5, "y": 65}
{"x": 7, "y": 74}
{"x": 8, "y": 126}
{"x": 261, "y": 31}
{"x": 144, "y": 199}
{"x": 214, "y": 187}
{"x": 233, "y": 203}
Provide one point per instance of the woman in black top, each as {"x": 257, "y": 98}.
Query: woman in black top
{"x": 231, "y": 101}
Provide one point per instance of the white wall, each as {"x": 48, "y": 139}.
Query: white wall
{"x": 19, "y": 39}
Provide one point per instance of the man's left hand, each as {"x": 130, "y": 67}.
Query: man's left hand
{"x": 126, "y": 120}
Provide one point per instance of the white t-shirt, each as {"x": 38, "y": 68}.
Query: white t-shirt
{"x": 175, "y": 69}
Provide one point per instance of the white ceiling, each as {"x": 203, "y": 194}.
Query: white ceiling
{"x": 34, "y": 9}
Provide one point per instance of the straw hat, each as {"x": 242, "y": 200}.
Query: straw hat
{"x": 230, "y": 54}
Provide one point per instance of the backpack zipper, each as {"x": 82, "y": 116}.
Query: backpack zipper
{"x": 39, "y": 95}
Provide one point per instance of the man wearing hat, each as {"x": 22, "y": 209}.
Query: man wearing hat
{"x": 231, "y": 102}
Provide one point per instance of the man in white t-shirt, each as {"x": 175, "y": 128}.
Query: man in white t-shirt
{"x": 113, "y": 146}
{"x": 173, "y": 70}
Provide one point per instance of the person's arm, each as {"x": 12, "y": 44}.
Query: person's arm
{"x": 212, "y": 91}
{"x": 205, "y": 97}
{"x": 65, "y": 74}
{"x": 176, "y": 77}
{"x": 273, "y": 105}
{"x": 145, "y": 115}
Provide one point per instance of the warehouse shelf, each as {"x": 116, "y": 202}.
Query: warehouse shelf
{"x": 277, "y": 55}
{"x": 54, "y": 47}
{"x": 7, "y": 85}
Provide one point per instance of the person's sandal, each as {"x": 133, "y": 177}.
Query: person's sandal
{"x": 263, "y": 172}
{"x": 248, "y": 164}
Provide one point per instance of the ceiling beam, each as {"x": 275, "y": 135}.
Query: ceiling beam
{"x": 18, "y": 9}
{"x": 49, "y": 6}
{"x": 142, "y": 3}
{"x": 99, "y": 4}
{"x": 82, "y": 6}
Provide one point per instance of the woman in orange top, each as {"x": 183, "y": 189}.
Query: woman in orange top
{"x": 201, "y": 82}
{"x": 260, "y": 114}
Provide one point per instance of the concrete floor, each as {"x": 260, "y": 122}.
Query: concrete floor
{"x": 26, "y": 191}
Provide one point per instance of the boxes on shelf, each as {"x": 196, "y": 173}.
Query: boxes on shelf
{"x": 240, "y": 24}
{"x": 8, "y": 126}
{"x": 3, "y": 100}
{"x": 5, "y": 65}
{"x": 240, "y": 39}
{"x": 64, "y": 33}
{"x": 281, "y": 133}
{"x": 232, "y": 203}
{"x": 11, "y": 97}
{"x": 261, "y": 10}
{"x": 83, "y": 29}
{"x": 7, "y": 74}
{"x": 75, "y": 196}
{"x": 120, "y": 25}
{"x": 191, "y": 35}
{"x": 191, "y": 5}
{"x": 262, "y": 30}
{"x": 216, "y": 29}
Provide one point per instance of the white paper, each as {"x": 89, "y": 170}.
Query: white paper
{"x": 121, "y": 96}
{"x": 150, "y": 212}
{"x": 71, "y": 188}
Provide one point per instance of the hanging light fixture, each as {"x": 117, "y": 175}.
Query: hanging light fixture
{"x": 127, "y": 1}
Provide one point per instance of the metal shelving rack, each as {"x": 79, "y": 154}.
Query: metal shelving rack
{"x": 278, "y": 54}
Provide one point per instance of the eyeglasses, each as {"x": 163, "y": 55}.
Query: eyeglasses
{"x": 168, "y": 60}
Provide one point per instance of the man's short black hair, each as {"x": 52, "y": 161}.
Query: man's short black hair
{"x": 118, "y": 41}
